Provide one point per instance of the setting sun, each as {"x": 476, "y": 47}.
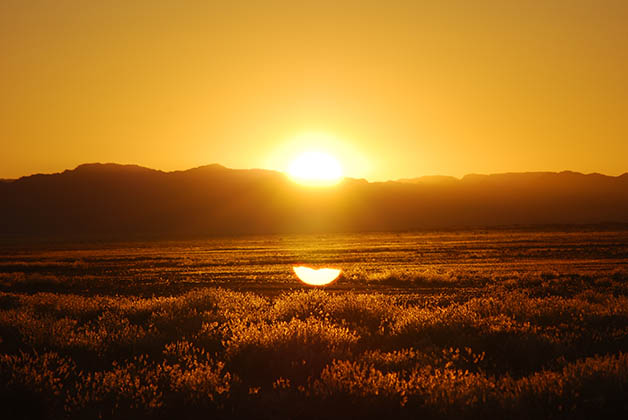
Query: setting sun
{"x": 316, "y": 169}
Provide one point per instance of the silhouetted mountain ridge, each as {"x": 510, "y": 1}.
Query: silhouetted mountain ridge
{"x": 431, "y": 179}
{"x": 509, "y": 177}
{"x": 110, "y": 200}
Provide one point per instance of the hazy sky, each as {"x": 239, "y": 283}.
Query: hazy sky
{"x": 392, "y": 88}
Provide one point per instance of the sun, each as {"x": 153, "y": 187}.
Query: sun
{"x": 315, "y": 168}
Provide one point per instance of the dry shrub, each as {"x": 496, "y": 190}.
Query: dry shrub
{"x": 35, "y": 385}
{"x": 295, "y": 349}
{"x": 366, "y": 314}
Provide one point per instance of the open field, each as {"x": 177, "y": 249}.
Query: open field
{"x": 498, "y": 324}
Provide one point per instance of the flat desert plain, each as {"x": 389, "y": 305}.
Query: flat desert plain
{"x": 455, "y": 324}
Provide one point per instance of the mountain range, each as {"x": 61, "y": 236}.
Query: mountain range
{"x": 128, "y": 201}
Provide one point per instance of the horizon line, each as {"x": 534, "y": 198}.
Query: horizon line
{"x": 402, "y": 179}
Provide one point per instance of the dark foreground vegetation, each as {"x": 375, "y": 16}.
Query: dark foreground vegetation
{"x": 507, "y": 325}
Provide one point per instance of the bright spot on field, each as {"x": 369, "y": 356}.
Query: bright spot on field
{"x": 316, "y": 169}
{"x": 320, "y": 277}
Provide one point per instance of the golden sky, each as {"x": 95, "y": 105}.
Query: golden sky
{"x": 392, "y": 88}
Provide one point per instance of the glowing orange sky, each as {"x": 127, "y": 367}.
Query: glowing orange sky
{"x": 408, "y": 88}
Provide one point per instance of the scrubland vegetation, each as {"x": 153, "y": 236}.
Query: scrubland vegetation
{"x": 516, "y": 338}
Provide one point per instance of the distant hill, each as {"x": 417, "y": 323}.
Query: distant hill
{"x": 127, "y": 201}
{"x": 432, "y": 180}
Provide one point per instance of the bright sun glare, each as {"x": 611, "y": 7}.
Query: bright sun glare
{"x": 313, "y": 277}
{"x": 316, "y": 169}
